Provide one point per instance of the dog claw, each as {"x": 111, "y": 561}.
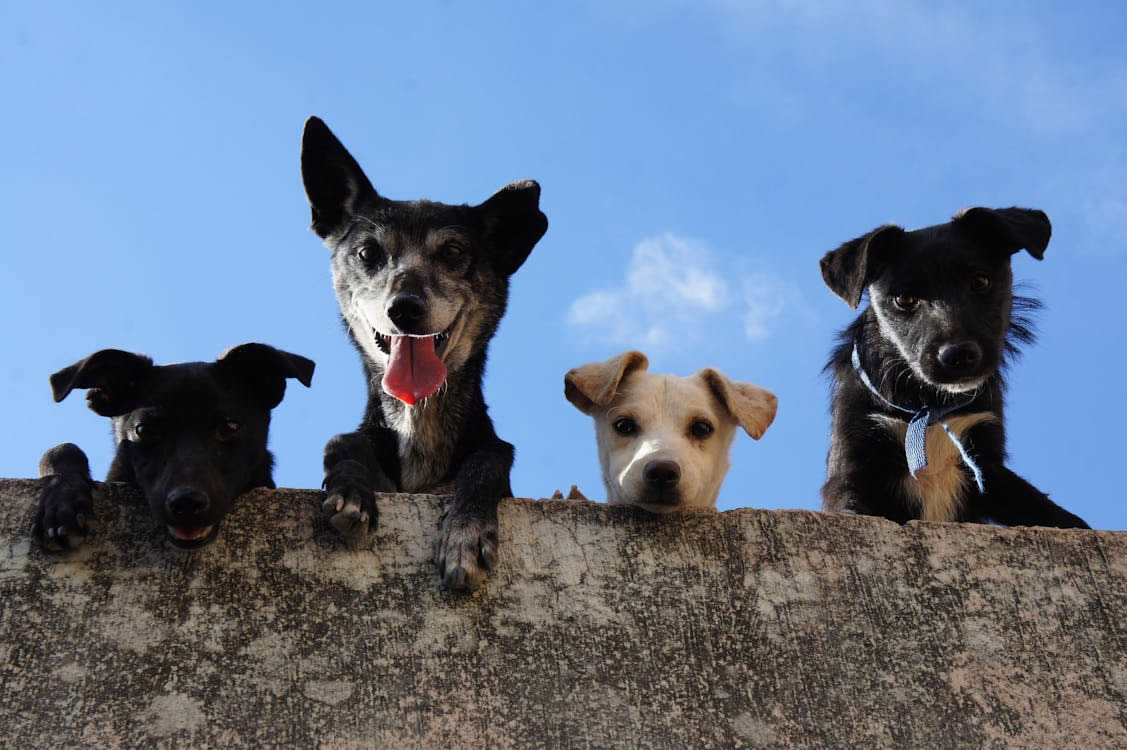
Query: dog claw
{"x": 350, "y": 521}
{"x": 333, "y": 504}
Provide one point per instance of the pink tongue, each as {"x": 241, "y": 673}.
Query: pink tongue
{"x": 414, "y": 371}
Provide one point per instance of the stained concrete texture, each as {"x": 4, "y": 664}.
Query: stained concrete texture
{"x": 602, "y": 627}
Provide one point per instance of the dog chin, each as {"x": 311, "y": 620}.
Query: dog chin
{"x": 659, "y": 504}
{"x": 660, "y": 509}
{"x": 960, "y": 386}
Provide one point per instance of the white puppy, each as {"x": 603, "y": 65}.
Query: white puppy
{"x": 663, "y": 440}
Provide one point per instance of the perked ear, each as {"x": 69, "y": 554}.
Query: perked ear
{"x": 850, "y": 268}
{"x": 753, "y": 407}
{"x": 334, "y": 182}
{"x": 593, "y": 386}
{"x": 1009, "y": 229}
{"x": 514, "y": 223}
{"x": 263, "y": 370}
{"x": 113, "y": 377}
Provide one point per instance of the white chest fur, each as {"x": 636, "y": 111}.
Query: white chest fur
{"x": 938, "y": 487}
{"x": 423, "y": 457}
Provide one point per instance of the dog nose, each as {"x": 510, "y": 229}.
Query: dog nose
{"x": 662, "y": 473}
{"x": 960, "y": 356}
{"x": 184, "y": 502}
{"x": 407, "y": 311}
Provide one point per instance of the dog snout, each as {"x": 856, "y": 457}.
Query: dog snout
{"x": 960, "y": 357}
{"x": 407, "y": 311}
{"x": 186, "y": 502}
{"x": 662, "y": 474}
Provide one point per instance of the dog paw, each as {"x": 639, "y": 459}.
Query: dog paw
{"x": 351, "y": 508}
{"x": 352, "y": 512}
{"x": 467, "y": 550}
{"x": 66, "y": 507}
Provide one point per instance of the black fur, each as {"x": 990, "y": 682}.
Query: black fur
{"x": 191, "y": 437}
{"x": 452, "y": 265}
{"x": 934, "y": 333}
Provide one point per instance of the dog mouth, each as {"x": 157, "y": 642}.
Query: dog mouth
{"x": 441, "y": 340}
{"x": 192, "y": 537}
{"x": 415, "y": 367}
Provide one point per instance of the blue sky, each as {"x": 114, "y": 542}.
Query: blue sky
{"x": 696, "y": 160}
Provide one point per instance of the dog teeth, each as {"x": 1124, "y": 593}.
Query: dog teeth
{"x": 383, "y": 342}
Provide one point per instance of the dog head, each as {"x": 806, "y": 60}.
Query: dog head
{"x": 942, "y": 295}
{"x": 663, "y": 440}
{"x": 421, "y": 285}
{"x": 193, "y": 435}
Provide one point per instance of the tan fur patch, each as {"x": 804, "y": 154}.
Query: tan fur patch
{"x": 938, "y": 487}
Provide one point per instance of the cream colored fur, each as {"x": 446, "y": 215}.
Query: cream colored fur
{"x": 665, "y": 407}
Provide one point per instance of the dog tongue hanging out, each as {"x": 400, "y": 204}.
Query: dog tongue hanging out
{"x": 414, "y": 371}
{"x": 422, "y": 287}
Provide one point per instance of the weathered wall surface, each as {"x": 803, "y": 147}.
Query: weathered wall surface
{"x": 602, "y": 627}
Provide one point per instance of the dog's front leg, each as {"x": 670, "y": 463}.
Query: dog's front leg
{"x": 353, "y": 474}
{"x": 1013, "y": 501}
{"x": 65, "y": 498}
{"x": 467, "y": 544}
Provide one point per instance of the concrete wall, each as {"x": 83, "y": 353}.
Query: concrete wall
{"x": 602, "y": 627}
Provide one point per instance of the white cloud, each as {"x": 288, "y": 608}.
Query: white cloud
{"x": 763, "y": 295}
{"x": 674, "y": 291}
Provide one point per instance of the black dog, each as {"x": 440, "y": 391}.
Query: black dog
{"x": 422, "y": 287}
{"x": 917, "y": 408}
{"x": 191, "y": 436}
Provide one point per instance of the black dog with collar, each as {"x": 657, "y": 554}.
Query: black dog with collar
{"x": 941, "y": 323}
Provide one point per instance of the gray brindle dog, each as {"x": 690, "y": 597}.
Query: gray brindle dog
{"x": 421, "y": 286}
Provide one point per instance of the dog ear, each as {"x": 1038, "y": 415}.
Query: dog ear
{"x": 113, "y": 377}
{"x": 514, "y": 223}
{"x": 850, "y": 268}
{"x": 1009, "y": 229}
{"x": 594, "y": 385}
{"x": 334, "y": 182}
{"x": 753, "y": 407}
{"x": 263, "y": 370}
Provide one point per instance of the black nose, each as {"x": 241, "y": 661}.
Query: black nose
{"x": 960, "y": 356}
{"x": 185, "y": 502}
{"x": 407, "y": 311}
{"x": 662, "y": 473}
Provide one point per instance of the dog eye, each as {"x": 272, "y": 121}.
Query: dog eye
{"x": 905, "y": 302}
{"x": 980, "y": 283}
{"x": 228, "y": 429}
{"x": 625, "y": 426}
{"x": 701, "y": 429}
{"x": 369, "y": 252}
{"x": 146, "y": 430}
{"x": 451, "y": 252}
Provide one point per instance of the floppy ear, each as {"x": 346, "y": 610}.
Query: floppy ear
{"x": 263, "y": 370}
{"x": 334, "y": 182}
{"x": 514, "y": 223}
{"x": 594, "y": 385}
{"x": 1009, "y": 229}
{"x": 850, "y": 268}
{"x": 753, "y": 407}
{"x": 113, "y": 377}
